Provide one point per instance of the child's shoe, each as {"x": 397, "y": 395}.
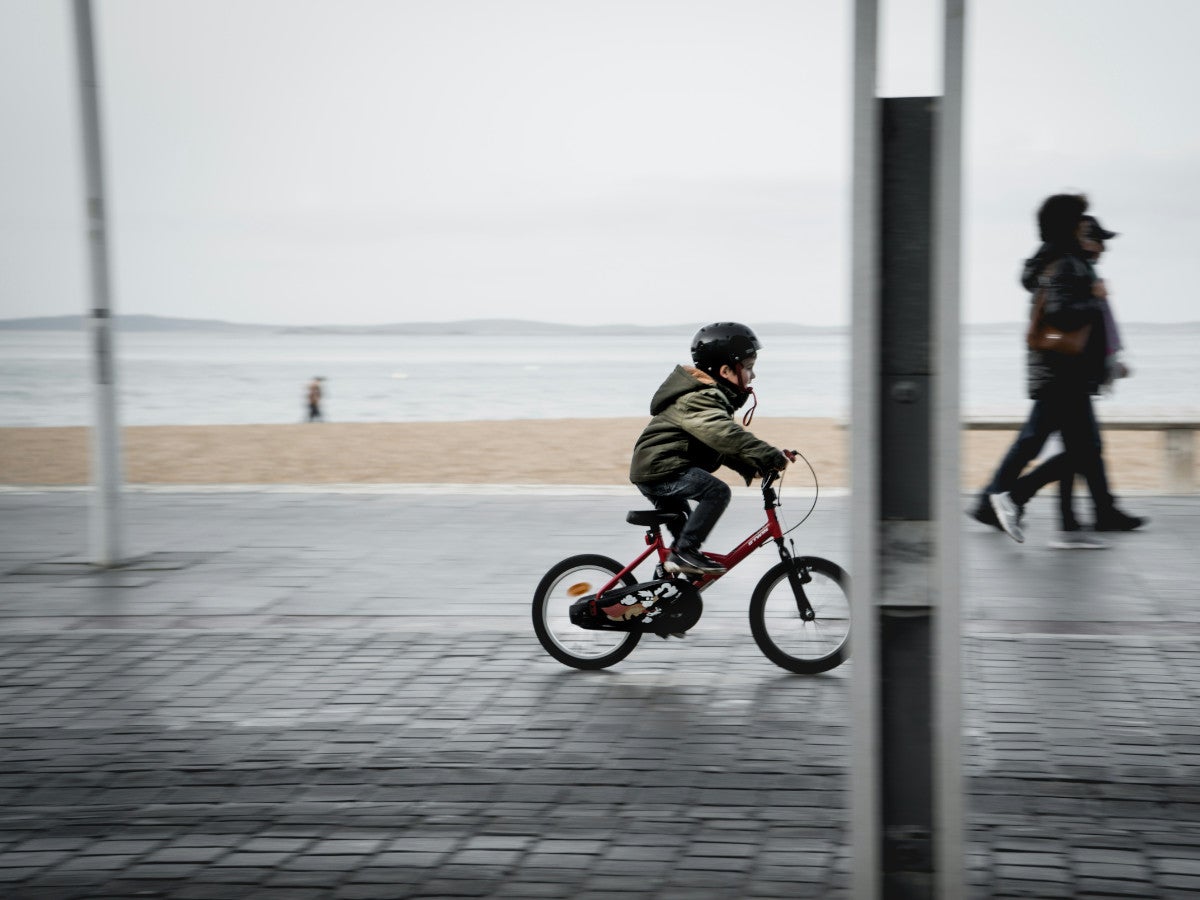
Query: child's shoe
{"x": 692, "y": 561}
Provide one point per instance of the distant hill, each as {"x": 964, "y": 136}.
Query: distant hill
{"x": 146, "y": 323}
{"x": 528, "y": 327}
{"x": 129, "y": 323}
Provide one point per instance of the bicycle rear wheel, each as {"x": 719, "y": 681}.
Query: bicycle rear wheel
{"x": 806, "y": 646}
{"x": 571, "y": 645}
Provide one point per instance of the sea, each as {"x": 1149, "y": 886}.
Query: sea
{"x": 208, "y": 378}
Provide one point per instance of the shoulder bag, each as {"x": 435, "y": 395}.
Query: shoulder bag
{"x": 1044, "y": 336}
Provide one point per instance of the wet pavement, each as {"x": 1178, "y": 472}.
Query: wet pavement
{"x": 336, "y": 693}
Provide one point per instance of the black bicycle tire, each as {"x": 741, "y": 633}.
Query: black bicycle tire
{"x": 539, "y": 623}
{"x": 758, "y": 624}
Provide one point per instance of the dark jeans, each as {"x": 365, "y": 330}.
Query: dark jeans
{"x": 672, "y": 494}
{"x": 1070, "y": 413}
{"x": 1056, "y": 468}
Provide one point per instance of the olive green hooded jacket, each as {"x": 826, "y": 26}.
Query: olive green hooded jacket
{"x": 693, "y": 425}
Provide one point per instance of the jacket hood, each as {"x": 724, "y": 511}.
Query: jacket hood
{"x": 1033, "y": 268}
{"x": 685, "y": 380}
{"x": 1046, "y": 254}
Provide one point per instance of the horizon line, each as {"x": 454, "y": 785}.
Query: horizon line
{"x": 194, "y": 322}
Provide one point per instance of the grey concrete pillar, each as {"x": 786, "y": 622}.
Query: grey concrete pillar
{"x": 105, "y": 524}
{"x": 906, "y": 806}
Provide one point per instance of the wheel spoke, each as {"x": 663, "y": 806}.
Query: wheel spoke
{"x": 566, "y": 584}
{"x": 782, "y": 632}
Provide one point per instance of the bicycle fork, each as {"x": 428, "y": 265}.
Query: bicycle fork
{"x": 798, "y": 576}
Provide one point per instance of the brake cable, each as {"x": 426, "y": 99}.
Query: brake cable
{"x": 816, "y": 491}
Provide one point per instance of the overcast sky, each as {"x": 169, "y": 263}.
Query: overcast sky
{"x": 592, "y": 161}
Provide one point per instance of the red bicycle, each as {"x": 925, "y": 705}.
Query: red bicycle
{"x": 590, "y": 611}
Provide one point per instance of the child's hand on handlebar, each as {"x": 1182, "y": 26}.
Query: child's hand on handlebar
{"x": 780, "y": 463}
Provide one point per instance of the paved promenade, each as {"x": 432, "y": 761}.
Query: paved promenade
{"x": 295, "y": 694}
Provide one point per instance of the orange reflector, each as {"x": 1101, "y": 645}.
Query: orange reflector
{"x": 579, "y": 589}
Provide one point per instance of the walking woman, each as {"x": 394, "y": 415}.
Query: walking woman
{"x": 1061, "y": 384}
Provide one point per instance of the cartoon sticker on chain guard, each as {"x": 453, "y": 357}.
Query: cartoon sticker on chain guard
{"x": 663, "y": 606}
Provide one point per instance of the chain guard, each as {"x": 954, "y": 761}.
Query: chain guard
{"x": 662, "y": 606}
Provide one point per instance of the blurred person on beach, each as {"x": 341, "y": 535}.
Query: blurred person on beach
{"x": 1053, "y": 466}
{"x": 1062, "y": 385}
{"x": 314, "y": 400}
{"x": 693, "y": 433}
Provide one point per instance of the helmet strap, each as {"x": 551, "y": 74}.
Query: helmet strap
{"x": 733, "y": 385}
{"x": 745, "y": 393}
{"x": 738, "y": 369}
{"x": 753, "y": 406}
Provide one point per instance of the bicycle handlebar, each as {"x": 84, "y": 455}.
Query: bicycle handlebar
{"x": 769, "y": 478}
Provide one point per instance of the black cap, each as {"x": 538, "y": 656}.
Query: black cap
{"x": 1097, "y": 230}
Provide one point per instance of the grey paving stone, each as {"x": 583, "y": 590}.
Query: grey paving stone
{"x": 1098, "y": 887}
{"x": 1179, "y": 866}
{"x": 1180, "y": 883}
{"x": 484, "y": 858}
{"x": 308, "y": 878}
{"x": 515, "y": 889}
{"x": 210, "y": 892}
{"x": 277, "y": 715}
{"x": 13, "y": 874}
{"x": 383, "y": 891}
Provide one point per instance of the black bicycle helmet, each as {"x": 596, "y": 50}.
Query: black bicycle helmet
{"x": 723, "y": 344}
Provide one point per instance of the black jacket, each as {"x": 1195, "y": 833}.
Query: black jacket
{"x": 1066, "y": 280}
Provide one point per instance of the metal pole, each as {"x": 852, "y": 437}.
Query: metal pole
{"x": 906, "y": 604}
{"x": 906, "y": 800}
{"x": 949, "y": 846}
{"x": 105, "y": 523}
{"x": 864, "y": 473}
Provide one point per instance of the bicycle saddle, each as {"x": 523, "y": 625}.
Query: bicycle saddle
{"x": 652, "y": 517}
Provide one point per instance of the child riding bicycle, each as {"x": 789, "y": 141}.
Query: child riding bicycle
{"x": 693, "y": 433}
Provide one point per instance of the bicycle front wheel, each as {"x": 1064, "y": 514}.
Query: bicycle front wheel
{"x": 571, "y": 645}
{"x": 784, "y": 634}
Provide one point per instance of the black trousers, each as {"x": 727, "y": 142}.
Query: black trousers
{"x": 1068, "y": 411}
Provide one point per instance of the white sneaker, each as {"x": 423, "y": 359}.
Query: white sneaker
{"x": 1008, "y": 514}
{"x": 1077, "y": 540}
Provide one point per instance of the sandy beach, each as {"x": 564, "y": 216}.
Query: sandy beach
{"x": 530, "y": 451}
